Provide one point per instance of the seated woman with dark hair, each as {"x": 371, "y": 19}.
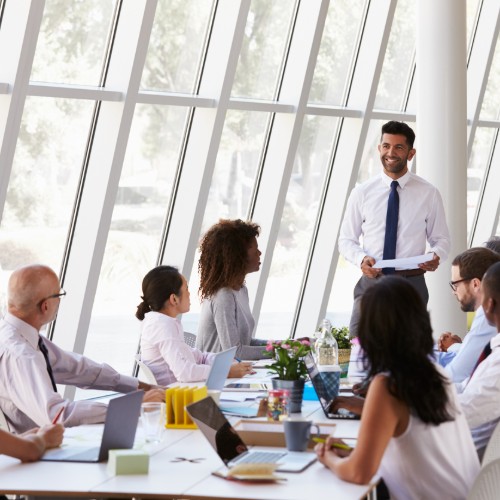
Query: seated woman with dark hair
{"x": 165, "y": 296}
{"x": 228, "y": 252}
{"x": 413, "y": 432}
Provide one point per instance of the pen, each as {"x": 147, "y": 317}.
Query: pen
{"x": 238, "y": 359}
{"x": 59, "y": 413}
{"x": 340, "y": 446}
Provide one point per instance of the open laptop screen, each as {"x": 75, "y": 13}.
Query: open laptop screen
{"x": 216, "y": 428}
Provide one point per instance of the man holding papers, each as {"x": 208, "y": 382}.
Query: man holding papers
{"x": 395, "y": 215}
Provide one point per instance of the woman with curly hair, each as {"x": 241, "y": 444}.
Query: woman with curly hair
{"x": 165, "y": 295}
{"x": 413, "y": 432}
{"x": 228, "y": 252}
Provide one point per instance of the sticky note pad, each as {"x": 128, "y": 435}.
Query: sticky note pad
{"x": 128, "y": 462}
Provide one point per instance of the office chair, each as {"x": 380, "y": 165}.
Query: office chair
{"x": 487, "y": 483}
{"x": 190, "y": 339}
{"x": 492, "y": 451}
{"x": 150, "y": 378}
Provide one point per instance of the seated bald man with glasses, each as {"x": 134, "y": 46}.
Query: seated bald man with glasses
{"x": 467, "y": 271}
{"x": 31, "y": 365}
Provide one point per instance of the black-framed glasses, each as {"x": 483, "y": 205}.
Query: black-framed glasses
{"x": 453, "y": 284}
{"x": 61, "y": 293}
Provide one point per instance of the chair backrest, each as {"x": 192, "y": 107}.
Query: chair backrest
{"x": 150, "y": 377}
{"x": 487, "y": 483}
{"x": 190, "y": 339}
{"x": 492, "y": 451}
{"x": 3, "y": 422}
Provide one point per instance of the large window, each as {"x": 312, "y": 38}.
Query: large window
{"x": 128, "y": 128}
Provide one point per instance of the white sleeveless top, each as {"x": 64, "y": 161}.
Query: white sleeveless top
{"x": 429, "y": 461}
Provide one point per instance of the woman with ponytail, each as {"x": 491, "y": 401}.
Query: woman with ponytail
{"x": 165, "y": 295}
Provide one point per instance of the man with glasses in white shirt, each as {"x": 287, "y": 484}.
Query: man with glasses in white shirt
{"x": 31, "y": 365}
{"x": 467, "y": 271}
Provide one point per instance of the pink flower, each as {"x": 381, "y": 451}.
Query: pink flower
{"x": 305, "y": 342}
{"x": 285, "y": 346}
{"x": 269, "y": 347}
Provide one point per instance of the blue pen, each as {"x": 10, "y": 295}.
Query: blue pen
{"x": 238, "y": 359}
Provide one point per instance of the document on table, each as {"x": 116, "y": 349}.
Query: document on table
{"x": 406, "y": 263}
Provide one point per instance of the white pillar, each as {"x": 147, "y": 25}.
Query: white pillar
{"x": 442, "y": 136}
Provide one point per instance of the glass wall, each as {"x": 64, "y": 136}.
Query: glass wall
{"x": 128, "y": 128}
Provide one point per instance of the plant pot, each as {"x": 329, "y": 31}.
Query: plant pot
{"x": 296, "y": 390}
{"x": 344, "y": 357}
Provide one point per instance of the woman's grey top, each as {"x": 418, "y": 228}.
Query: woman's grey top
{"x": 226, "y": 321}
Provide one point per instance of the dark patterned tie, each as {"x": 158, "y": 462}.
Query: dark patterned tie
{"x": 484, "y": 354}
{"x": 45, "y": 352}
{"x": 391, "y": 226}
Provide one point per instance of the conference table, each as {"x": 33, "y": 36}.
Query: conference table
{"x": 171, "y": 473}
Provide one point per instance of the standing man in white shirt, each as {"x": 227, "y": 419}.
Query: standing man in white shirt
{"x": 467, "y": 271}
{"x": 480, "y": 399}
{"x": 420, "y": 218}
{"x": 31, "y": 365}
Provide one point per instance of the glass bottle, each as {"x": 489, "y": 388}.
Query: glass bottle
{"x": 327, "y": 351}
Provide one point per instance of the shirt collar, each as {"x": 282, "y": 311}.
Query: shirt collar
{"x": 495, "y": 341}
{"x": 401, "y": 181}
{"x": 24, "y": 329}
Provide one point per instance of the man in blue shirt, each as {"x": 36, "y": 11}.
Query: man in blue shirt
{"x": 467, "y": 270}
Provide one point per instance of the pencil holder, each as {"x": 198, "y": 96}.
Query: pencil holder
{"x": 176, "y": 399}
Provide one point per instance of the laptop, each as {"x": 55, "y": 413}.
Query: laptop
{"x": 220, "y": 368}
{"x": 231, "y": 448}
{"x": 119, "y": 432}
{"x": 325, "y": 394}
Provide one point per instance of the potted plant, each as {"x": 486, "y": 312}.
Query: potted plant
{"x": 341, "y": 335}
{"x": 344, "y": 343}
{"x": 290, "y": 369}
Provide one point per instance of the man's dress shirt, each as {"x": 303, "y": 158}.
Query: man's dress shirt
{"x": 26, "y": 395}
{"x": 480, "y": 399}
{"x": 421, "y": 219}
{"x": 459, "y": 364}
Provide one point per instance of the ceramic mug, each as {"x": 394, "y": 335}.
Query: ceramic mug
{"x": 297, "y": 433}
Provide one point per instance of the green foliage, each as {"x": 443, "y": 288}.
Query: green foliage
{"x": 289, "y": 358}
{"x": 342, "y": 337}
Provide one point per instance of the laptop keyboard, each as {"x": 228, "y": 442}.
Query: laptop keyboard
{"x": 261, "y": 457}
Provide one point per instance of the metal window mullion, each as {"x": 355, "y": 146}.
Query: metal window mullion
{"x": 346, "y": 161}
{"x": 285, "y": 135}
{"x": 20, "y": 28}
{"x": 481, "y": 57}
{"x": 105, "y": 160}
{"x": 204, "y": 135}
{"x": 488, "y": 207}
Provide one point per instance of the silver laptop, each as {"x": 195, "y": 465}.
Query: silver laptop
{"x": 119, "y": 432}
{"x": 325, "y": 393}
{"x": 231, "y": 448}
{"x": 220, "y": 368}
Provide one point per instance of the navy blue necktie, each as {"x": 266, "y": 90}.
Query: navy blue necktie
{"x": 391, "y": 226}
{"x": 45, "y": 352}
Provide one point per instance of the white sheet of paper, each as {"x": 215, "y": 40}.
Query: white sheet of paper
{"x": 406, "y": 263}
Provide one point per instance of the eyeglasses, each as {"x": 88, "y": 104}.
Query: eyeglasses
{"x": 453, "y": 284}
{"x": 62, "y": 293}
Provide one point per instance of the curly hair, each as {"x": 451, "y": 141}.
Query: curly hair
{"x": 157, "y": 286}
{"x": 224, "y": 255}
{"x": 395, "y": 334}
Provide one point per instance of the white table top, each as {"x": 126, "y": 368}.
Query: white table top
{"x": 168, "y": 477}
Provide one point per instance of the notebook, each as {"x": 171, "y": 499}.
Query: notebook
{"x": 220, "y": 368}
{"x": 231, "y": 448}
{"x": 119, "y": 432}
{"x": 326, "y": 394}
